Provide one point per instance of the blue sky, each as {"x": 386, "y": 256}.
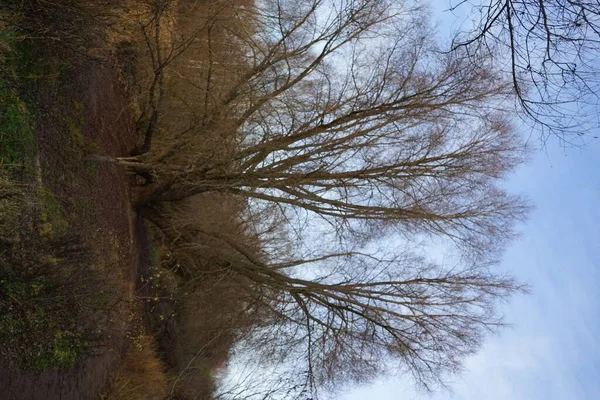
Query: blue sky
{"x": 552, "y": 350}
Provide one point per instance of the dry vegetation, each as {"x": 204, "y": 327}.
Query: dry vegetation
{"x": 140, "y": 375}
{"x": 67, "y": 254}
{"x": 269, "y": 146}
{"x": 266, "y": 176}
{"x": 47, "y": 285}
{"x": 200, "y": 312}
{"x": 246, "y": 131}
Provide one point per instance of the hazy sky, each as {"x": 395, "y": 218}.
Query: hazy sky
{"x": 553, "y": 349}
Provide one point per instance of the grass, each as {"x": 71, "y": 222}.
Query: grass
{"x": 140, "y": 376}
{"x": 47, "y": 294}
{"x": 161, "y": 276}
{"x": 46, "y": 286}
{"x": 54, "y": 223}
{"x": 16, "y": 129}
{"x": 74, "y": 123}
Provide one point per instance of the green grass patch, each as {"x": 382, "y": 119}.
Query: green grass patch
{"x": 13, "y": 201}
{"x": 17, "y": 139}
{"x": 54, "y": 223}
{"x": 74, "y": 122}
{"x": 154, "y": 244}
{"x": 42, "y": 291}
{"x": 32, "y": 64}
{"x": 50, "y": 291}
{"x": 35, "y": 329}
{"x": 48, "y": 300}
{"x": 17, "y": 134}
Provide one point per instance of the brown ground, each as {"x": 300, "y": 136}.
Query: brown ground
{"x": 88, "y": 104}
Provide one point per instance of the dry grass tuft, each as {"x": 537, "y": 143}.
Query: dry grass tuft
{"x": 140, "y": 376}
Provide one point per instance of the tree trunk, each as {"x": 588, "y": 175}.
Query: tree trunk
{"x": 143, "y": 195}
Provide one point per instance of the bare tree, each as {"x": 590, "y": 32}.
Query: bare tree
{"x": 343, "y": 118}
{"x": 552, "y": 48}
{"x": 330, "y": 319}
{"x": 345, "y": 110}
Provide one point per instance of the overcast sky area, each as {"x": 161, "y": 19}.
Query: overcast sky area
{"x": 553, "y": 349}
